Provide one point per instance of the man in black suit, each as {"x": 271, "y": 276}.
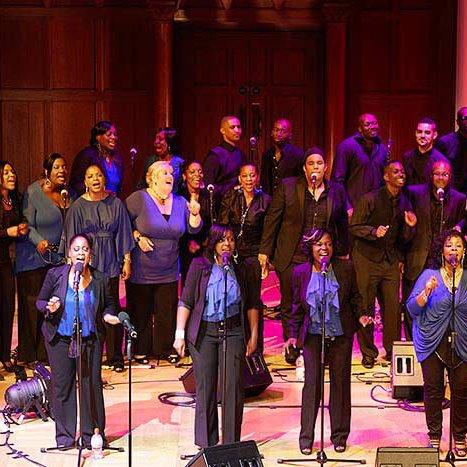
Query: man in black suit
{"x": 382, "y": 222}
{"x": 438, "y": 207}
{"x": 454, "y": 147}
{"x": 281, "y": 161}
{"x": 417, "y": 162}
{"x": 298, "y": 205}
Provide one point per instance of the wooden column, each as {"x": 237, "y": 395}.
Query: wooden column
{"x": 335, "y": 21}
{"x": 162, "y": 12}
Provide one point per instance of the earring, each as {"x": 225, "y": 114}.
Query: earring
{"x": 98, "y": 145}
{"x": 87, "y": 188}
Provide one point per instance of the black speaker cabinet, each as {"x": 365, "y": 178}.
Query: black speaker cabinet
{"x": 256, "y": 377}
{"x": 407, "y": 457}
{"x": 244, "y": 454}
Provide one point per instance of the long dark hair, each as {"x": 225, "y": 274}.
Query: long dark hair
{"x": 435, "y": 260}
{"x": 216, "y": 233}
{"x": 171, "y": 137}
{"x": 100, "y": 128}
{"x": 14, "y": 195}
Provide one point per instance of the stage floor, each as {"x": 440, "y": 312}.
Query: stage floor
{"x": 161, "y": 432}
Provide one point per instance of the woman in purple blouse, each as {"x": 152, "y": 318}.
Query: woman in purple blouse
{"x": 159, "y": 219}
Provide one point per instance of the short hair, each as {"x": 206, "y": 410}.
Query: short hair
{"x": 312, "y": 237}
{"x": 427, "y": 120}
{"x": 49, "y": 161}
{"x": 435, "y": 260}
{"x": 226, "y": 118}
{"x": 186, "y": 165}
{"x": 100, "y": 169}
{"x": 154, "y": 168}
{"x": 82, "y": 235}
{"x": 171, "y": 136}
{"x": 459, "y": 112}
{"x": 100, "y": 128}
{"x": 313, "y": 150}
{"x": 389, "y": 163}
{"x": 216, "y": 233}
{"x": 250, "y": 164}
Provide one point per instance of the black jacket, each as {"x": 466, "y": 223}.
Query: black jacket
{"x": 350, "y": 300}
{"x": 284, "y": 221}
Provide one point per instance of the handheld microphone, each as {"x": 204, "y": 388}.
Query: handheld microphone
{"x": 210, "y": 188}
{"x": 225, "y": 259}
{"x": 124, "y": 318}
{"x": 440, "y": 194}
{"x": 452, "y": 260}
{"x": 253, "y": 142}
{"x": 79, "y": 266}
{"x": 324, "y": 264}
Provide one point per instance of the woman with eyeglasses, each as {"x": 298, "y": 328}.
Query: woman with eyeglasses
{"x": 11, "y": 228}
{"x": 244, "y": 209}
{"x": 104, "y": 218}
{"x": 57, "y": 304}
{"x": 45, "y": 204}
{"x": 102, "y": 151}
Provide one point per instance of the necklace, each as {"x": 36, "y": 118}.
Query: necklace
{"x": 161, "y": 198}
{"x": 447, "y": 277}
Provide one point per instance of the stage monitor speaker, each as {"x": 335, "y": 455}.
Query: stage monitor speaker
{"x": 244, "y": 454}
{"x": 406, "y": 372}
{"x": 407, "y": 457}
{"x": 256, "y": 377}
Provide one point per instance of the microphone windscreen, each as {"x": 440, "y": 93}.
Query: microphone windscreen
{"x": 123, "y": 316}
{"x": 79, "y": 266}
{"x": 225, "y": 258}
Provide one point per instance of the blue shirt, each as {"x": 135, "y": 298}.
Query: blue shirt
{"x": 214, "y": 306}
{"x": 112, "y": 176}
{"x": 86, "y": 305}
{"x": 431, "y": 321}
{"x": 314, "y": 298}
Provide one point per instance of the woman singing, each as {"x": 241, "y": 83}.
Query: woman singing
{"x": 343, "y": 309}
{"x": 45, "y": 204}
{"x": 56, "y": 301}
{"x": 102, "y": 151}
{"x": 104, "y": 218}
{"x": 159, "y": 219}
{"x": 245, "y": 208}
{"x": 440, "y": 336}
{"x": 202, "y": 312}
{"x": 11, "y": 228}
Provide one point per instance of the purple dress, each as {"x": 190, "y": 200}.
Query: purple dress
{"x": 159, "y": 266}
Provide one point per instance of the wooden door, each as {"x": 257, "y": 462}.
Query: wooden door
{"x": 259, "y": 76}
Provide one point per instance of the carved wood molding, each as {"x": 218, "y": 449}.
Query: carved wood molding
{"x": 162, "y": 10}
{"x": 336, "y": 12}
{"x": 278, "y": 4}
{"x": 224, "y": 4}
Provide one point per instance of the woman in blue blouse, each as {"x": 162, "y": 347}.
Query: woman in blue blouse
{"x": 104, "y": 218}
{"x": 45, "y": 204}
{"x": 343, "y": 312}
{"x": 56, "y": 301}
{"x": 200, "y": 317}
{"x": 159, "y": 219}
{"x": 430, "y": 305}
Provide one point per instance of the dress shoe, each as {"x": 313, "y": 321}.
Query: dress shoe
{"x": 340, "y": 447}
{"x": 368, "y": 362}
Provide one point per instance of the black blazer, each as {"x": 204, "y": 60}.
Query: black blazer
{"x": 284, "y": 220}
{"x": 420, "y": 246}
{"x": 194, "y": 295}
{"x": 56, "y": 283}
{"x": 350, "y": 300}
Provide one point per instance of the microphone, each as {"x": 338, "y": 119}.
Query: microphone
{"x": 225, "y": 258}
{"x": 133, "y": 154}
{"x": 210, "y": 188}
{"x": 324, "y": 264}
{"x": 79, "y": 266}
{"x": 124, "y": 318}
{"x": 440, "y": 194}
{"x": 313, "y": 179}
{"x": 253, "y": 142}
{"x": 452, "y": 260}
{"x": 64, "y": 193}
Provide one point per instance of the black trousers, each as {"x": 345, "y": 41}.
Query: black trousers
{"x": 407, "y": 286}
{"x": 339, "y": 356}
{"x": 433, "y": 395}
{"x": 30, "y": 339}
{"x": 7, "y": 309}
{"x": 207, "y": 364}
{"x": 153, "y": 310}
{"x": 64, "y": 399}
{"x": 114, "y": 334}
{"x": 382, "y": 280}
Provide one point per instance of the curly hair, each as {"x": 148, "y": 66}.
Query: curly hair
{"x": 435, "y": 260}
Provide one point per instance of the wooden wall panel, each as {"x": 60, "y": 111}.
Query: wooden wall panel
{"x": 23, "y": 52}
{"x": 73, "y": 53}
{"x": 70, "y": 126}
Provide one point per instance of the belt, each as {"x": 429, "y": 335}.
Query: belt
{"x": 230, "y": 323}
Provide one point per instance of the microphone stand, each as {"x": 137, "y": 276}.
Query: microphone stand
{"x": 211, "y": 205}
{"x": 130, "y": 427}
{"x": 450, "y": 456}
{"x": 442, "y": 214}
{"x": 223, "y": 336}
{"x": 321, "y": 457}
